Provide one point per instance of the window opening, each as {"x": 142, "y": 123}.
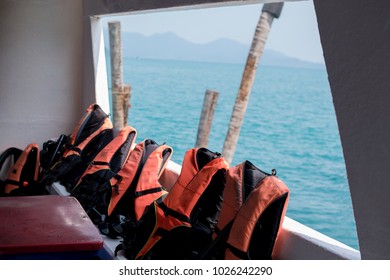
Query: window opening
{"x": 171, "y": 58}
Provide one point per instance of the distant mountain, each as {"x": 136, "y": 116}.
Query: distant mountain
{"x": 170, "y": 46}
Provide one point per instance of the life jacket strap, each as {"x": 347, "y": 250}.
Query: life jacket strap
{"x": 220, "y": 240}
{"x": 118, "y": 181}
{"x": 170, "y": 212}
{"x": 74, "y": 148}
{"x": 12, "y": 182}
{"x": 148, "y": 191}
{"x": 100, "y": 163}
{"x": 237, "y": 252}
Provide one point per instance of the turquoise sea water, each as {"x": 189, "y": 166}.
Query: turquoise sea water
{"x": 290, "y": 125}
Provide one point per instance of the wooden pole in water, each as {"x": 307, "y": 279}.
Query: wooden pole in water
{"x": 120, "y": 92}
{"x": 206, "y": 118}
{"x": 263, "y": 27}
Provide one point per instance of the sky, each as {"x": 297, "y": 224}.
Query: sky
{"x": 294, "y": 34}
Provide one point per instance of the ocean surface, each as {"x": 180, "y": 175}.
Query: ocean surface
{"x": 290, "y": 125}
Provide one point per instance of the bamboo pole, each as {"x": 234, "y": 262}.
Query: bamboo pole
{"x": 269, "y": 12}
{"x": 206, "y": 118}
{"x": 120, "y": 92}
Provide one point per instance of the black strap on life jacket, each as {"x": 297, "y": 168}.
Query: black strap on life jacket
{"x": 173, "y": 213}
{"x": 52, "y": 151}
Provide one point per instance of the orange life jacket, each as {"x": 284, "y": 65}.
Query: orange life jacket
{"x": 134, "y": 187}
{"x": 92, "y": 133}
{"x": 89, "y": 126}
{"x": 181, "y": 225}
{"x": 253, "y": 209}
{"x": 22, "y": 177}
{"x": 91, "y": 189}
{"x": 136, "y": 184}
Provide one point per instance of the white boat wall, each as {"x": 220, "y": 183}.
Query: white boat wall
{"x": 53, "y": 66}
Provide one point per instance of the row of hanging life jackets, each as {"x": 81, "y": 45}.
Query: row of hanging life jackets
{"x": 213, "y": 211}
